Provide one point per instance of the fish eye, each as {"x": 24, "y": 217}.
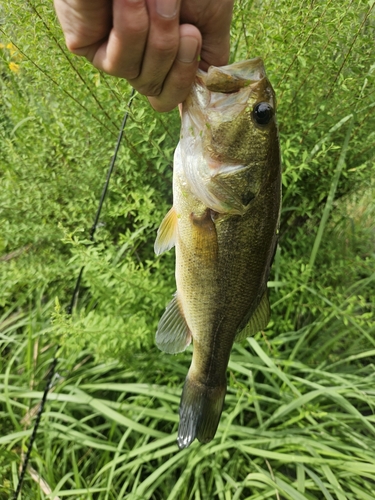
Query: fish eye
{"x": 262, "y": 112}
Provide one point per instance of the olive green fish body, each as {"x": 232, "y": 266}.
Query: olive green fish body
{"x": 224, "y": 226}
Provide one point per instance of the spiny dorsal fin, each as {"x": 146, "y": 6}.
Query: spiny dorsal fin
{"x": 166, "y": 237}
{"x": 258, "y": 321}
{"x": 173, "y": 334}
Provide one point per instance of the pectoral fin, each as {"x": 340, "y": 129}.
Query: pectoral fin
{"x": 258, "y": 321}
{"x": 166, "y": 237}
{"x": 204, "y": 236}
{"x": 173, "y": 334}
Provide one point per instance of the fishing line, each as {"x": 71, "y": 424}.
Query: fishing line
{"x": 52, "y": 369}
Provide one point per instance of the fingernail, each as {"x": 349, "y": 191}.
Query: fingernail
{"x": 166, "y": 8}
{"x": 187, "y": 51}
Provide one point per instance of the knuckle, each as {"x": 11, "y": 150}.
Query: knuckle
{"x": 130, "y": 76}
{"x": 135, "y": 4}
{"x": 136, "y": 23}
{"x": 152, "y": 89}
{"x": 130, "y": 73}
{"x": 135, "y": 28}
{"x": 166, "y": 45}
{"x": 181, "y": 86}
{"x": 74, "y": 45}
{"x": 160, "y": 106}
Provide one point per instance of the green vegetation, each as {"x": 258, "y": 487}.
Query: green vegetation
{"x": 299, "y": 419}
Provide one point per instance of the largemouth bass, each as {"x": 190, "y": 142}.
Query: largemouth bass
{"x": 224, "y": 224}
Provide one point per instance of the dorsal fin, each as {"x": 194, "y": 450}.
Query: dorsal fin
{"x": 173, "y": 334}
{"x": 166, "y": 237}
{"x": 258, "y": 321}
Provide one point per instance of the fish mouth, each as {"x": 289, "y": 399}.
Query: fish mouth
{"x": 225, "y": 92}
{"x": 232, "y": 78}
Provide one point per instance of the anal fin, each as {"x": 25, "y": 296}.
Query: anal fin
{"x": 173, "y": 334}
{"x": 258, "y": 321}
{"x": 166, "y": 237}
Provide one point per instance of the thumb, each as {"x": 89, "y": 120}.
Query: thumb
{"x": 215, "y": 51}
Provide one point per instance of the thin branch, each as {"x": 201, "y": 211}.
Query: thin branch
{"x": 72, "y": 65}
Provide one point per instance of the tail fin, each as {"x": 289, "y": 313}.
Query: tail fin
{"x": 200, "y": 411}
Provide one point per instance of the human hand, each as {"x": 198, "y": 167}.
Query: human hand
{"x": 142, "y": 41}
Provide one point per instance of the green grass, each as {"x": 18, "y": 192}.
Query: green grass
{"x": 302, "y": 428}
{"x": 299, "y": 420}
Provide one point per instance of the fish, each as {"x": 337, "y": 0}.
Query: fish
{"x": 224, "y": 226}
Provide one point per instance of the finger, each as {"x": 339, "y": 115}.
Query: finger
{"x": 122, "y": 54}
{"x": 213, "y": 20}
{"x": 84, "y": 22}
{"x": 180, "y": 78}
{"x": 162, "y": 46}
{"x": 215, "y": 52}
